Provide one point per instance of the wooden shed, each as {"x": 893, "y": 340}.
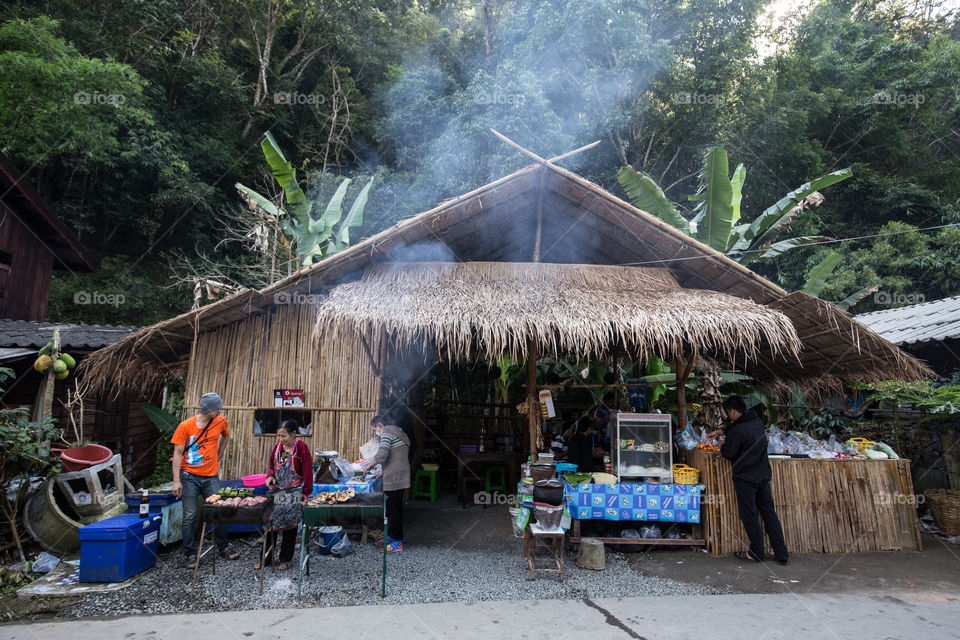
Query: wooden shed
{"x": 539, "y": 262}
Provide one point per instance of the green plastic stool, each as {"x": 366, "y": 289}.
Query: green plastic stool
{"x": 431, "y": 490}
{"x": 496, "y": 478}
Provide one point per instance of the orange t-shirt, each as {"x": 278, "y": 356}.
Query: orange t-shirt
{"x": 200, "y": 458}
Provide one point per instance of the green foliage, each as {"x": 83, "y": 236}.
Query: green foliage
{"x": 718, "y": 209}
{"x": 314, "y": 237}
{"x": 826, "y": 422}
{"x": 935, "y": 399}
{"x": 166, "y": 424}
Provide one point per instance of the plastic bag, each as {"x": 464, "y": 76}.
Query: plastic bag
{"x": 520, "y": 521}
{"x": 45, "y": 563}
{"x": 774, "y": 443}
{"x": 343, "y": 548}
{"x": 651, "y": 532}
{"x": 687, "y": 439}
{"x": 346, "y": 469}
{"x": 369, "y": 448}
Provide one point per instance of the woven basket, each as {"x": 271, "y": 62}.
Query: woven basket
{"x": 945, "y": 507}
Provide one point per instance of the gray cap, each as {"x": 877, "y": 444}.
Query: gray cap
{"x": 210, "y": 402}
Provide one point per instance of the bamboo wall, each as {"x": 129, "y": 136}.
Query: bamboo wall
{"x": 825, "y": 506}
{"x": 245, "y": 361}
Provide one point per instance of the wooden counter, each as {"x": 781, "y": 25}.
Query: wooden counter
{"x": 825, "y": 506}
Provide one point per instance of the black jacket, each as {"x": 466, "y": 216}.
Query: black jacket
{"x": 746, "y": 448}
{"x": 580, "y": 452}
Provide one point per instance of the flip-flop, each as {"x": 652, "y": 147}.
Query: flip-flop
{"x": 191, "y": 562}
{"x": 230, "y": 553}
{"x": 283, "y": 566}
{"x": 746, "y": 555}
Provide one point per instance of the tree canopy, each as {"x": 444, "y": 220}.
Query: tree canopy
{"x": 136, "y": 120}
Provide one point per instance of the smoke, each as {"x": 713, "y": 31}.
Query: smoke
{"x": 559, "y": 74}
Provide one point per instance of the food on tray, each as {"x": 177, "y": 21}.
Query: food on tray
{"x": 237, "y": 501}
{"x": 706, "y": 446}
{"x": 331, "y": 497}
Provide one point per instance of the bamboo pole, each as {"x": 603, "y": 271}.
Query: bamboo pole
{"x": 533, "y": 405}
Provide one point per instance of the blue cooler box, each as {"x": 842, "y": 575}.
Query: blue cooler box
{"x": 118, "y": 548}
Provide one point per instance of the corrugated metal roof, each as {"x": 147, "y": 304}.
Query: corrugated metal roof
{"x": 937, "y": 320}
{"x": 23, "y": 333}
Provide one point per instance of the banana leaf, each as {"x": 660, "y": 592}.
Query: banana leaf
{"x": 767, "y": 225}
{"x": 259, "y": 200}
{"x": 783, "y": 246}
{"x": 817, "y": 277}
{"x": 164, "y": 421}
{"x": 645, "y": 195}
{"x": 331, "y": 215}
{"x": 286, "y": 177}
{"x": 853, "y": 299}
{"x": 354, "y": 217}
{"x": 714, "y": 212}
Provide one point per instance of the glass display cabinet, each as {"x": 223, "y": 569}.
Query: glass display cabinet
{"x": 643, "y": 447}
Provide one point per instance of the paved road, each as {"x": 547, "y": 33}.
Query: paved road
{"x": 908, "y": 616}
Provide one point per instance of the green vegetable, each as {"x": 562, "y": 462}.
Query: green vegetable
{"x": 879, "y": 446}
{"x": 47, "y": 348}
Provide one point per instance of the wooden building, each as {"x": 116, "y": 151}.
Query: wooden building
{"x": 33, "y": 242}
{"x": 539, "y": 262}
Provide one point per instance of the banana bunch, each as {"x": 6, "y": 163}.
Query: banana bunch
{"x": 62, "y": 363}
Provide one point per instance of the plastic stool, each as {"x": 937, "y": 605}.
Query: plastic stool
{"x": 431, "y": 490}
{"x": 496, "y": 478}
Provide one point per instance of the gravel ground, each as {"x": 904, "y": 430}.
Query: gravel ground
{"x": 417, "y": 575}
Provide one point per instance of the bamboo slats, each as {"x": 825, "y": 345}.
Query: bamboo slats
{"x": 246, "y": 360}
{"x": 825, "y": 506}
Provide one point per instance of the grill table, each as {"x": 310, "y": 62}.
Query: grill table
{"x": 259, "y": 515}
{"x": 360, "y": 506}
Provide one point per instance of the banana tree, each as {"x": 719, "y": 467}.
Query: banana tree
{"x": 718, "y": 209}
{"x": 314, "y": 238}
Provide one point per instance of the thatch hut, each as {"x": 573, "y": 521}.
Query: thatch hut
{"x": 541, "y": 261}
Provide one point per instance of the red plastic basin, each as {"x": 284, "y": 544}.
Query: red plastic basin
{"x": 79, "y": 458}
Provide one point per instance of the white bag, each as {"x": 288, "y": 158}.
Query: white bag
{"x": 369, "y": 448}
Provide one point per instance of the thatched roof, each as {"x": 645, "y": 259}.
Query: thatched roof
{"x": 581, "y": 225}
{"x": 465, "y": 308}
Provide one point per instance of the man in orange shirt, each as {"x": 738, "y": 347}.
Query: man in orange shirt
{"x": 198, "y": 444}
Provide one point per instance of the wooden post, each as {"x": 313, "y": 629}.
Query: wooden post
{"x": 683, "y": 371}
{"x": 533, "y": 404}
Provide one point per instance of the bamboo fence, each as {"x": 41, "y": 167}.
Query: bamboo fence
{"x": 246, "y": 360}
{"x": 825, "y": 506}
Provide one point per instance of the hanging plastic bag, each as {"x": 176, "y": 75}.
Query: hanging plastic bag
{"x": 687, "y": 439}
{"x": 369, "y": 448}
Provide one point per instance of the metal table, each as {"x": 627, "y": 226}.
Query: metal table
{"x": 361, "y": 506}
{"x": 259, "y": 515}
